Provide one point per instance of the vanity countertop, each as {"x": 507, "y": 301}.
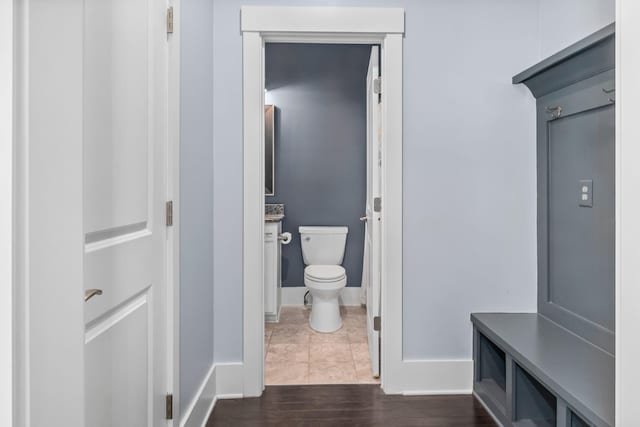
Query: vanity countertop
{"x": 273, "y": 212}
{"x": 273, "y": 217}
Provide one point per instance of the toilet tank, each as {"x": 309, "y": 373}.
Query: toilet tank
{"x": 323, "y": 245}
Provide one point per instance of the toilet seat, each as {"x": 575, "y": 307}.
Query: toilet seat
{"x": 325, "y": 273}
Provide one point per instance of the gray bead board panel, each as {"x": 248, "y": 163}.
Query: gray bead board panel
{"x": 578, "y": 374}
{"x": 575, "y": 91}
{"x": 576, "y": 244}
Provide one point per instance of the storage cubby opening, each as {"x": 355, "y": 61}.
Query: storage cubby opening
{"x": 576, "y": 421}
{"x": 491, "y": 375}
{"x": 492, "y": 363}
{"x": 534, "y": 404}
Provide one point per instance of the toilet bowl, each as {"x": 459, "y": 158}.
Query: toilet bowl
{"x": 325, "y": 282}
{"x": 323, "y": 252}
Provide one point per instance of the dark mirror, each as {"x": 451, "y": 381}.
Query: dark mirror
{"x": 269, "y": 167}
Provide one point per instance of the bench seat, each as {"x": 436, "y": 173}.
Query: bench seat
{"x": 575, "y": 371}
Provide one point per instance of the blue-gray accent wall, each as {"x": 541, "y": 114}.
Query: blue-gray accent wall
{"x": 320, "y": 151}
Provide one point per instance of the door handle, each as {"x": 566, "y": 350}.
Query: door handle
{"x": 90, "y": 293}
{"x": 363, "y": 218}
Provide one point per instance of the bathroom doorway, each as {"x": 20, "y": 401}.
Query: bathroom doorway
{"x": 322, "y": 231}
{"x": 369, "y": 26}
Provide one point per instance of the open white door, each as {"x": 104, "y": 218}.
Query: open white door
{"x": 125, "y": 89}
{"x": 371, "y": 273}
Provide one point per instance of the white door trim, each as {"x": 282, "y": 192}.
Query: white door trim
{"x": 6, "y": 211}
{"x": 173, "y": 233}
{"x": 48, "y": 282}
{"x": 627, "y": 212}
{"x": 321, "y": 25}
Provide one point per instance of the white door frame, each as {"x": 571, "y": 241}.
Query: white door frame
{"x": 47, "y": 37}
{"x": 384, "y": 26}
{"x": 627, "y": 212}
{"x": 6, "y": 212}
{"x": 173, "y": 232}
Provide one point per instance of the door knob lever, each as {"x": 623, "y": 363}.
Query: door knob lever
{"x": 90, "y": 293}
{"x": 363, "y": 218}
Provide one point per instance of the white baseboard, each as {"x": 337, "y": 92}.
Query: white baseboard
{"x": 229, "y": 377}
{"x": 432, "y": 377}
{"x": 223, "y": 381}
{"x": 294, "y": 295}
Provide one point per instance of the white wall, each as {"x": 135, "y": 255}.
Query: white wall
{"x": 469, "y": 178}
{"x": 196, "y": 193}
{"x": 563, "y": 22}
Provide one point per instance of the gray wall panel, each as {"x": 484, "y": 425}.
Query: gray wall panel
{"x": 582, "y": 239}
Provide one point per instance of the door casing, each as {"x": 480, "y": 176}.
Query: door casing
{"x": 338, "y": 25}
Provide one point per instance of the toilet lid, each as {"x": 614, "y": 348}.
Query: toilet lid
{"x": 324, "y": 272}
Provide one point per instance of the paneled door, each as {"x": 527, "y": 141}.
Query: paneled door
{"x": 371, "y": 273}
{"x": 125, "y": 74}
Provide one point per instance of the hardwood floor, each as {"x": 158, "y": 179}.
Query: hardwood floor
{"x": 348, "y": 405}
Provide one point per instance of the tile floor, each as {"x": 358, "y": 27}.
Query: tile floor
{"x": 296, "y": 354}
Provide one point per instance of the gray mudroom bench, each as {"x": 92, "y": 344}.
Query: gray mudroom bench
{"x": 529, "y": 371}
{"x": 556, "y": 367}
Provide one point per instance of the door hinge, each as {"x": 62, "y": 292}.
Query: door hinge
{"x": 377, "y": 88}
{"x": 377, "y": 204}
{"x": 170, "y": 20}
{"x": 169, "y": 213}
{"x": 169, "y": 409}
{"x": 376, "y": 323}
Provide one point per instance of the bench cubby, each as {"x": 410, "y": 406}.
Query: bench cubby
{"x": 534, "y": 405}
{"x": 551, "y": 376}
{"x": 491, "y": 374}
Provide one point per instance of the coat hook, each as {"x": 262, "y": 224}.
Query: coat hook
{"x": 554, "y": 111}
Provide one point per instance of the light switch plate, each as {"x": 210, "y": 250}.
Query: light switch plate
{"x": 585, "y": 196}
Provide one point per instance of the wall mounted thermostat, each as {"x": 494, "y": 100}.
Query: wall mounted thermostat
{"x": 586, "y": 193}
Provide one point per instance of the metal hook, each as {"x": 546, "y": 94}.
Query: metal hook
{"x": 554, "y": 111}
{"x": 609, "y": 91}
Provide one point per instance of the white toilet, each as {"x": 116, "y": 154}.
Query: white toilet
{"x": 323, "y": 252}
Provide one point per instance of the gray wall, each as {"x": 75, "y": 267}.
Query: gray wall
{"x": 320, "y": 156}
{"x": 469, "y": 168}
{"x": 564, "y": 22}
{"x": 196, "y": 191}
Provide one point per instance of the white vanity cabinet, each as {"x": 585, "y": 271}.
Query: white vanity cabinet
{"x": 272, "y": 278}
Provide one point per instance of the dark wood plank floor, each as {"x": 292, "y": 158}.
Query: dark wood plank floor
{"x": 347, "y": 405}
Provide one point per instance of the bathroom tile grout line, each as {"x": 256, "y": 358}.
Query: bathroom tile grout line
{"x": 291, "y": 319}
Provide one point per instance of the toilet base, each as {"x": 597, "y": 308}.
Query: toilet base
{"x": 325, "y": 315}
